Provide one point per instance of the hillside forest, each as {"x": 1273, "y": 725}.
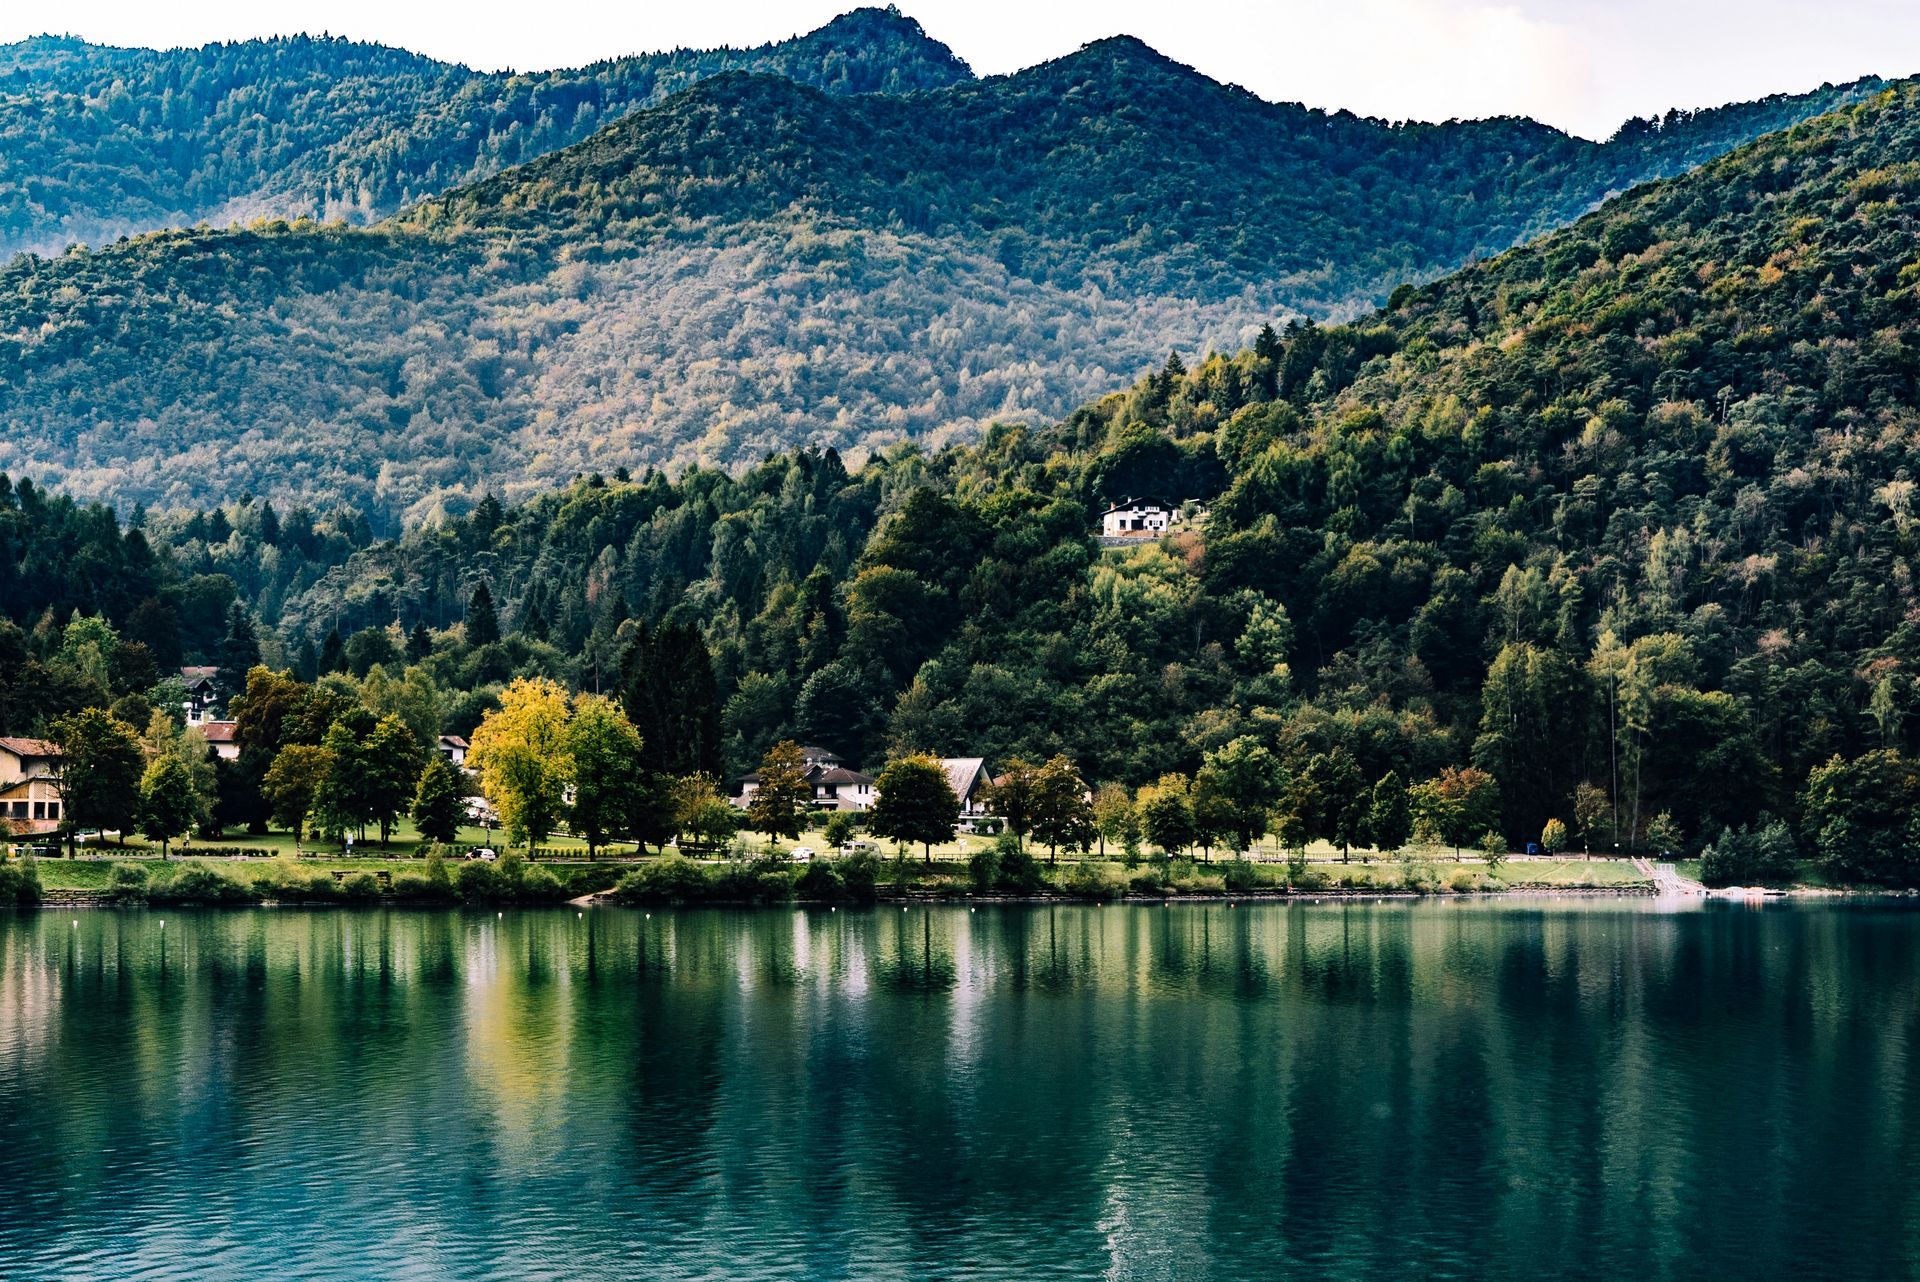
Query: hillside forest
{"x": 1616, "y": 530}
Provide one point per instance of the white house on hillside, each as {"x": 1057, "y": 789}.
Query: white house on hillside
{"x": 1142, "y": 518}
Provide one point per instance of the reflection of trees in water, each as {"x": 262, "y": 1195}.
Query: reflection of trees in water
{"x": 1185, "y": 1091}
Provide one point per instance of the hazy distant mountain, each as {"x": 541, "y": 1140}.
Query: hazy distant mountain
{"x": 96, "y": 142}
{"x": 754, "y": 264}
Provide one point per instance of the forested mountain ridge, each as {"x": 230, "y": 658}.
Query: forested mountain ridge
{"x": 753, "y": 264}
{"x": 1622, "y": 520}
{"x": 99, "y": 142}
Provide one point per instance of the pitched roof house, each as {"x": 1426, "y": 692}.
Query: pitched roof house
{"x": 967, "y": 776}
{"x": 203, "y": 692}
{"x": 221, "y": 736}
{"x": 29, "y": 784}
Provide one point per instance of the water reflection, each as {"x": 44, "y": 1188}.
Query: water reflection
{"x": 1591, "y": 1089}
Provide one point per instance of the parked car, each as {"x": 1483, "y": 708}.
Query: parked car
{"x": 482, "y": 852}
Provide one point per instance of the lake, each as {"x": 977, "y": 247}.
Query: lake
{"x": 1594, "y": 1088}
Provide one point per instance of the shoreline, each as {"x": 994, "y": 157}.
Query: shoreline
{"x": 84, "y": 899}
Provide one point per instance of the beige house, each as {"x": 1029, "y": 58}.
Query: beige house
{"x": 221, "y": 737}
{"x": 29, "y": 785}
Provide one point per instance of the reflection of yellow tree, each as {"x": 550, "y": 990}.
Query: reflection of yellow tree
{"x": 517, "y": 1019}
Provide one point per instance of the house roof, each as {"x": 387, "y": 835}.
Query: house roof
{"x": 840, "y": 774}
{"x": 23, "y": 747}
{"x": 453, "y": 741}
{"x": 220, "y": 731}
{"x": 1125, "y": 505}
{"x": 202, "y": 672}
{"x": 963, "y": 773}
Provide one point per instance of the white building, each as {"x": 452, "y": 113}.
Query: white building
{"x": 453, "y": 748}
{"x": 1145, "y": 518}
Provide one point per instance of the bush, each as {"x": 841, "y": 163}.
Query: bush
{"x": 196, "y": 883}
{"x": 821, "y": 882}
{"x": 417, "y": 888}
{"x": 860, "y": 873}
{"x": 763, "y": 879}
{"x": 1088, "y": 880}
{"x": 670, "y": 879}
{"x": 477, "y": 882}
{"x": 1018, "y": 871}
{"x": 1147, "y": 883}
{"x": 127, "y": 884}
{"x": 19, "y": 882}
{"x": 539, "y": 886}
{"x": 361, "y": 888}
{"x": 983, "y": 866}
{"x": 1239, "y": 876}
{"x": 292, "y": 883}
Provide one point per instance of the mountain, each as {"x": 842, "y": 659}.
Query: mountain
{"x": 100, "y": 142}
{"x": 755, "y": 263}
{"x": 1624, "y": 519}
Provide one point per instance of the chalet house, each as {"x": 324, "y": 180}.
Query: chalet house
{"x": 221, "y": 737}
{"x": 842, "y": 789}
{"x": 454, "y": 749}
{"x": 29, "y": 785}
{"x": 203, "y": 693}
{"x": 834, "y": 786}
{"x": 1144, "y": 518}
{"x": 967, "y": 776}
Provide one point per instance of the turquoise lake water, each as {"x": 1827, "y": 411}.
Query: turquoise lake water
{"x": 1453, "y": 1089}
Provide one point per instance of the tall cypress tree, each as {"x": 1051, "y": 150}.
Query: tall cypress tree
{"x": 240, "y": 652}
{"x": 419, "y": 643}
{"x": 483, "y": 621}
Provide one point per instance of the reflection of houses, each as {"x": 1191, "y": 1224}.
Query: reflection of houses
{"x": 203, "y": 693}
{"x": 30, "y": 784}
{"x": 221, "y": 738}
{"x": 454, "y": 749}
{"x": 1144, "y": 518}
{"x": 967, "y": 776}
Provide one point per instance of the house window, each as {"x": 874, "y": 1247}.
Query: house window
{"x": 53, "y": 810}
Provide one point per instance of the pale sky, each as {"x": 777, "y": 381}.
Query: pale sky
{"x": 1584, "y": 65}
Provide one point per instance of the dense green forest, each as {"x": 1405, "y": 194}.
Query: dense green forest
{"x": 99, "y": 142}
{"x": 754, "y": 265}
{"x": 1622, "y": 520}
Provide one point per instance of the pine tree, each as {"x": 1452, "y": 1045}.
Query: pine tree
{"x": 419, "y": 643}
{"x": 483, "y": 621}
{"x": 240, "y": 652}
{"x": 333, "y": 655}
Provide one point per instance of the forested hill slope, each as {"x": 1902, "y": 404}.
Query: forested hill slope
{"x": 754, "y": 264}
{"x": 98, "y": 142}
{"x": 1624, "y": 519}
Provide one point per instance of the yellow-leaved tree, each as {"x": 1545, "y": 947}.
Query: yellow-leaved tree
{"x": 519, "y": 753}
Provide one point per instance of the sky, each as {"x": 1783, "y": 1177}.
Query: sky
{"x": 1582, "y": 65}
